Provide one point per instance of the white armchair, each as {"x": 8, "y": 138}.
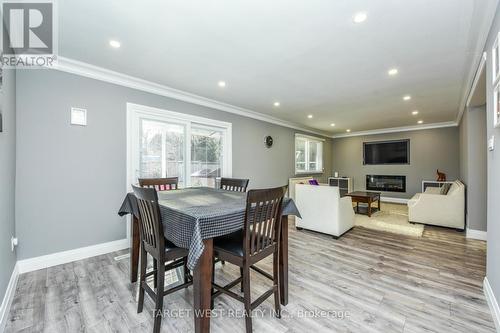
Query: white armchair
{"x": 432, "y": 207}
{"x": 323, "y": 209}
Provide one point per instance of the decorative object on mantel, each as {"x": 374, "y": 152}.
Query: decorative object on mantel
{"x": 441, "y": 176}
{"x": 268, "y": 141}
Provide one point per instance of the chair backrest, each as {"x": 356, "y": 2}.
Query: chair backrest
{"x": 150, "y": 226}
{"x": 234, "y": 184}
{"x": 262, "y": 219}
{"x": 160, "y": 184}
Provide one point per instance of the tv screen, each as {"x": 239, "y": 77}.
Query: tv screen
{"x": 386, "y": 152}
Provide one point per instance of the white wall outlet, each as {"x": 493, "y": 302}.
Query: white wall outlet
{"x": 13, "y": 243}
{"x": 491, "y": 143}
{"x": 79, "y": 116}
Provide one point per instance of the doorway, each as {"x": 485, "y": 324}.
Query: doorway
{"x": 474, "y": 160}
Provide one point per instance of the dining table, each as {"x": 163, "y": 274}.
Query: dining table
{"x": 191, "y": 218}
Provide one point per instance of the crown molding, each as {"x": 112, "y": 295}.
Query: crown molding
{"x": 478, "y": 55}
{"x": 477, "y": 75}
{"x": 397, "y": 129}
{"x": 102, "y": 74}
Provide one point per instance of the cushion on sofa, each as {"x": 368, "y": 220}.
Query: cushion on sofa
{"x": 445, "y": 188}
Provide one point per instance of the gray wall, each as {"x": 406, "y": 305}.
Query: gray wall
{"x": 473, "y": 165}
{"x": 493, "y": 251}
{"x": 71, "y": 180}
{"x": 7, "y": 178}
{"x": 429, "y": 150}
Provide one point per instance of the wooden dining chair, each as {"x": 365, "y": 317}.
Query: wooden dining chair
{"x": 166, "y": 254}
{"x": 258, "y": 240}
{"x": 160, "y": 184}
{"x": 234, "y": 184}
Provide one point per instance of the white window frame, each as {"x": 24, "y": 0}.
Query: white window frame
{"x": 494, "y": 50}
{"x": 319, "y": 158}
{"x": 136, "y": 112}
{"x": 495, "y": 80}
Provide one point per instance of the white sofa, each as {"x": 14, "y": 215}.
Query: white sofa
{"x": 445, "y": 210}
{"x": 323, "y": 209}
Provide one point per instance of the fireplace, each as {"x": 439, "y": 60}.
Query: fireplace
{"x": 386, "y": 183}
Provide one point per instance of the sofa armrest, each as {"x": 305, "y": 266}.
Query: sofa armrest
{"x": 346, "y": 214}
{"x": 437, "y": 209}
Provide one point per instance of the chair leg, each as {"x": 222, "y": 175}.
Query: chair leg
{"x": 247, "y": 298}
{"x": 159, "y": 298}
{"x": 144, "y": 263}
{"x": 212, "y": 290}
{"x": 155, "y": 267}
{"x": 241, "y": 275}
{"x": 186, "y": 271}
{"x": 276, "y": 285}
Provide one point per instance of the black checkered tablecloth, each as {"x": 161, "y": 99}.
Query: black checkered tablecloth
{"x": 194, "y": 214}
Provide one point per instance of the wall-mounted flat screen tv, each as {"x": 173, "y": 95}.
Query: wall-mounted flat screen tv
{"x": 386, "y": 152}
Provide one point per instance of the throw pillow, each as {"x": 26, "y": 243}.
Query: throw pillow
{"x": 445, "y": 188}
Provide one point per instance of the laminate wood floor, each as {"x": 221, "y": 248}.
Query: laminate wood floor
{"x": 366, "y": 281}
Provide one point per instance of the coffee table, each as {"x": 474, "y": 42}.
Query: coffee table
{"x": 365, "y": 197}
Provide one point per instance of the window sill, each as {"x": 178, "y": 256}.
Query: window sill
{"x": 309, "y": 173}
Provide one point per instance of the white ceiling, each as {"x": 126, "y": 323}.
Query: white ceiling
{"x": 308, "y": 55}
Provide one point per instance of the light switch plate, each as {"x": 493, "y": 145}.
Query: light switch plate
{"x": 79, "y": 116}
{"x": 491, "y": 143}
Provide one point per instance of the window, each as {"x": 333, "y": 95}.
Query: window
{"x": 308, "y": 154}
{"x": 169, "y": 144}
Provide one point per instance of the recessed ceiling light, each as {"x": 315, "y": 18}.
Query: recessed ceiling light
{"x": 392, "y": 71}
{"x": 276, "y": 104}
{"x": 332, "y": 124}
{"x": 359, "y": 17}
{"x": 114, "y": 43}
{"x": 222, "y": 84}
{"x": 310, "y": 116}
{"x": 414, "y": 112}
{"x": 407, "y": 97}
{"x": 420, "y": 122}
{"x": 348, "y": 130}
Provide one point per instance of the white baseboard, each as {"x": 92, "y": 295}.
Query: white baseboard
{"x": 492, "y": 303}
{"x": 8, "y": 297}
{"x": 394, "y": 200}
{"x": 475, "y": 234}
{"x": 54, "y": 259}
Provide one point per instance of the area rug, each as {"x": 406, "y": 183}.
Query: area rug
{"x": 391, "y": 218}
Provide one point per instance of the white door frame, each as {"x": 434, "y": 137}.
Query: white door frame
{"x": 136, "y": 111}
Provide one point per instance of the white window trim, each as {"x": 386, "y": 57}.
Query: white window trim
{"x": 495, "y": 80}
{"x": 309, "y": 172}
{"x": 137, "y": 111}
{"x": 495, "y": 76}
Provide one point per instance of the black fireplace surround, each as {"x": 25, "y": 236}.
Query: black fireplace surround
{"x": 386, "y": 183}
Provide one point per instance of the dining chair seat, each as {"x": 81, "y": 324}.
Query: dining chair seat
{"x": 232, "y": 243}
{"x": 169, "y": 247}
